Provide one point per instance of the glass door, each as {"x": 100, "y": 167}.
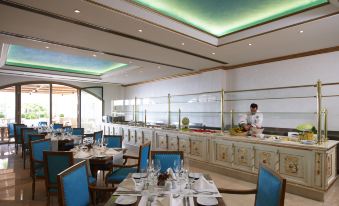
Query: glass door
{"x": 7, "y": 111}
{"x": 91, "y": 108}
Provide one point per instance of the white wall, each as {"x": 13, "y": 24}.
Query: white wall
{"x": 300, "y": 71}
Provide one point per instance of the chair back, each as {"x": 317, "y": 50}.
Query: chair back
{"x": 10, "y": 127}
{"x": 270, "y": 188}
{"x": 57, "y": 126}
{"x": 113, "y": 141}
{"x": 34, "y": 137}
{"x": 97, "y": 136}
{"x": 54, "y": 163}
{"x": 42, "y": 124}
{"x": 25, "y": 134}
{"x": 167, "y": 159}
{"x": 78, "y": 131}
{"x": 36, "y": 149}
{"x": 144, "y": 151}
{"x": 17, "y": 132}
{"x": 73, "y": 185}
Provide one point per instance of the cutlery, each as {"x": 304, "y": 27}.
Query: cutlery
{"x": 183, "y": 199}
{"x": 188, "y": 201}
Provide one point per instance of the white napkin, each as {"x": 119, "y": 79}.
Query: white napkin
{"x": 171, "y": 173}
{"x": 168, "y": 200}
{"x": 82, "y": 154}
{"x": 202, "y": 184}
{"x": 128, "y": 184}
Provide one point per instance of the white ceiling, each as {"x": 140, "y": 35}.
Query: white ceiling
{"x": 156, "y": 51}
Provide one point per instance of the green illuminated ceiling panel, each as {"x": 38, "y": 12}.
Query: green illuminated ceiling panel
{"x": 57, "y": 61}
{"x": 222, "y": 17}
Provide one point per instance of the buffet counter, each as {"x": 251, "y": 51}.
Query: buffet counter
{"x": 309, "y": 169}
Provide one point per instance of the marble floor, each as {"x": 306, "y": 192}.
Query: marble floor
{"x": 15, "y": 186}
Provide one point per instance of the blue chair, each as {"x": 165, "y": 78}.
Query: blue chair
{"x": 78, "y": 131}
{"x": 57, "y": 126}
{"x": 17, "y": 135}
{"x": 35, "y": 137}
{"x": 98, "y": 136}
{"x": 54, "y": 163}
{"x": 113, "y": 141}
{"x": 270, "y": 189}
{"x": 10, "y": 127}
{"x": 25, "y": 141}
{"x": 73, "y": 186}
{"x": 118, "y": 175}
{"x": 42, "y": 124}
{"x": 36, "y": 149}
{"x": 167, "y": 159}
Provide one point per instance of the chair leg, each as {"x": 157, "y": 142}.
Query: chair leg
{"x": 48, "y": 198}
{"x": 24, "y": 159}
{"x": 33, "y": 188}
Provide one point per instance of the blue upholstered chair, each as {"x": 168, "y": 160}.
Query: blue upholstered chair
{"x": 35, "y": 137}
{"x": 57, "y": 126}
{"x": 54, "y": 163}
{"x": 270, "y": 189}
{"x": 42, "y": 124}
{"x": 25, "y": 141}
{"x": 122, "y": 171}
{"x": 36, "y": 149}
{"x": 113, "y": 141}
{"x": 78, "y": 131}
{"x": 167, "y": 158}
{"x": 10, "y": 127}
{"x": 17, "y": 135}
{"x": 98, "y": 136}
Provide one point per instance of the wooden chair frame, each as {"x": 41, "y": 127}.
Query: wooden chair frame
{"x": 48, "y": 184}
{"x": 91, "y": 188}
{"x": 32, "y": 161}
{"x": 23, "y": 146}
{"x": 16, "y": 137}
{"x": 254, "y": 191}
{"x": 154, "y": 152}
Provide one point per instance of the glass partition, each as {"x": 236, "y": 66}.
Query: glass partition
{"x": 63, "y": 113}
{"x": 156, "y": 110}
{"x": 35, "y": 104}
{"x": 91, "y": 109}
{"x": 7, "y": 110}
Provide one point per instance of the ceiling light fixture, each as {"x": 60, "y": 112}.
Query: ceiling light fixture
{"x": 250, "y": 44}
{"x": 213, "y": 53}
{"x": 47, "y": 47}
{"x": 76, "y": 11}
{"x": 183, "y": 43}
{"x": 140, "y": 30}
{"x": 301, "y": 31}
{"x": 94, "y": 55}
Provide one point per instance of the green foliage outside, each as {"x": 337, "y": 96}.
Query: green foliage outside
{"x": 34, "y": 111}
{"x": 2, "y": 115}
{"x": 61, "y": 115}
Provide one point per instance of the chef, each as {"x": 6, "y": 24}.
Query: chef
{"x": 251, "y": 119}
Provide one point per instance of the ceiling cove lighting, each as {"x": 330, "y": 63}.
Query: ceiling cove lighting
{"x": 220, "y": 17}
{"x": 213, "y": 53}
{"x": 21, "y": 56}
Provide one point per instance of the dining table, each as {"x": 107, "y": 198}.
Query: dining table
{"x": 182, "y": 195}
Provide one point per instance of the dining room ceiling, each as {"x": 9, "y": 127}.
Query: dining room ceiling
{"x": 222, "y": 17}
{"x": 152, "y": 45}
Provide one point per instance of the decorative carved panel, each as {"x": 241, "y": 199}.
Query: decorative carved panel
{"x": 196, "y": 148}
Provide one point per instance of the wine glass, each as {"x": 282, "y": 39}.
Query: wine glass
{"x": 157, "y": 166}
{"x": 176, "y": 166}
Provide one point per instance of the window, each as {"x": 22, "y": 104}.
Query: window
{"x": 91, "y": 109}
{"x": 7, "y": 110}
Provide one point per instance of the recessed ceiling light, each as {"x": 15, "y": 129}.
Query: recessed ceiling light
{"x": 140, "y": 30}
{"x": 250, "y": 44}
{"x": 213, "y": 53}
{"x": 77, "y": 11}
{"x": 47, "y": 47}
{"x": 301, "y": 31}
{"x": 94, "y": 55}
{"x": 183, "y": 43}
{"x": 159, "y": 67}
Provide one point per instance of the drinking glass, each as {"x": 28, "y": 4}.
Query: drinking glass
{"x": 157, "y": 166}
{"x": 176, "y": 166}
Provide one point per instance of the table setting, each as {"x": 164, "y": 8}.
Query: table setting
{"x": 175, "y": 187}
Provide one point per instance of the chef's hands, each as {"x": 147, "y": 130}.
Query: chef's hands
{"x": 247, "y": 127}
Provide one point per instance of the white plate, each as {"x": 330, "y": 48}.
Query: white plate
{"x": 194, "y": 175}
{"x": 125, "y": 200}
{"x": 100, "y": 155}
{"x": 207, "y": 201}
{"x": 139, "y": 175}
{"x": 308, "y": 142}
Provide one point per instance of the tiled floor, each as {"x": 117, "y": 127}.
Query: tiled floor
{"x": 15, "y": 186}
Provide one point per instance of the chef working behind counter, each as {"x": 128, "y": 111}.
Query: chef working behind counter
{"x": 251, "y": 119}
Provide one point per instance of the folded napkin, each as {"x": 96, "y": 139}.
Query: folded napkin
{"x": 171, "y": 173}
{"x": 82, "y": 154}
{"x": 128, "y": 184}
{"x": 167, "y": 200}
{"x": 202, "y": 184}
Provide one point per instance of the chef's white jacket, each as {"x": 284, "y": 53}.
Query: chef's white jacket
{"x": 253, "y": 119}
